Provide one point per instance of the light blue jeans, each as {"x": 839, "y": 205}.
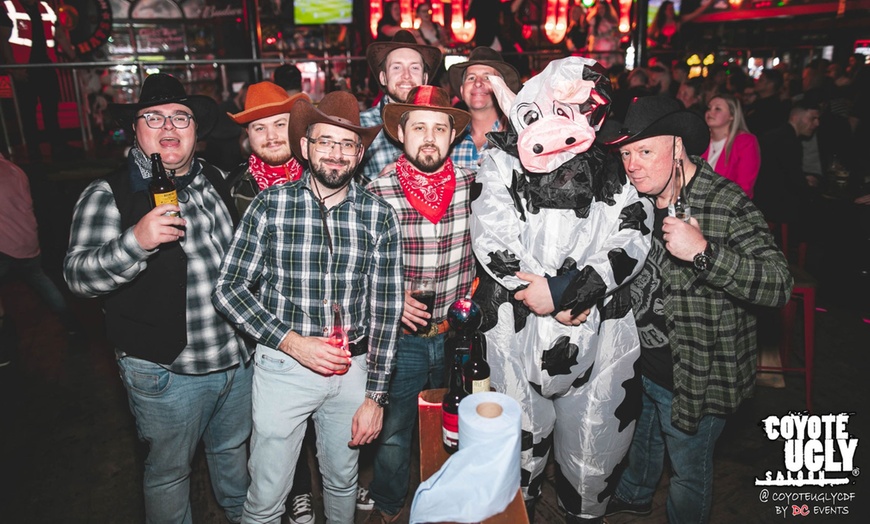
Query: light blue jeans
{"x": 173, "y": 413}
{"x": 418, "y": 361}
{"x": 285, "y": 395}
{"x": 691, "y": 485}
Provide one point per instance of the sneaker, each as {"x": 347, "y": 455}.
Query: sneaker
{"x": 379, "y": 517}
{"x": 363, "y": 501}
{"x": 616, "y": 506}
{"x": 301, "y": 511}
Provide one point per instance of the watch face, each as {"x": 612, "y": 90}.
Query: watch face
{"x": 702, "y": 261}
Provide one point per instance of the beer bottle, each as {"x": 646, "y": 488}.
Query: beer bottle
{"x": 338, "y": 336}
{"x": 476, "y": 370}
{"x": 162, "y": 188}
{"x": 450, "y": 408}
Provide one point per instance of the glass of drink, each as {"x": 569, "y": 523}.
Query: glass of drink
{"x": 423, "y": 290}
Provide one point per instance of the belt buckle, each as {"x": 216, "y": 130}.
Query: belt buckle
{"x": 433, "y": 331}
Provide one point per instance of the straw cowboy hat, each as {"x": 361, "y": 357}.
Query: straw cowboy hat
{"x": 651, "y": 116}
{"x": 159, "y": 89}
{"x": 338, "y": 108}
{"x": 424, "y": 98}
{"x": 266, "y": 99}
{"x": 377, "y": 52}
{"x": 488, "y": 57}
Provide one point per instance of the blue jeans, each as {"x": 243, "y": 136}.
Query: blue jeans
{"x": 418, "y": 361}
{"x": 173, "y": 412}
{"x": 285, "y": 395}
{"x": 691, "y": 455}
{"x": 30, "y": 270}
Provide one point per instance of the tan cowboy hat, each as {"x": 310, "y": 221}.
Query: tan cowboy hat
{"x": 266, "y": 99}
{"x": 159, "y": 89}
{"x": 338, "y": 108}
{"x": 488, "y": 57}
{"x": 377, "y": 52}
{"x": 659, "y": 115}
{"x": 424, "y": 98}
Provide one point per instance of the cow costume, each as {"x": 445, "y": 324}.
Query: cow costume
{"x": 557, "y": 204}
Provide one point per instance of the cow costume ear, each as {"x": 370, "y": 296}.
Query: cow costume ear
{"x": 503, "y": 94}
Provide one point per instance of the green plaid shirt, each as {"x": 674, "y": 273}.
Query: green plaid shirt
{"x": 710, "y": 315}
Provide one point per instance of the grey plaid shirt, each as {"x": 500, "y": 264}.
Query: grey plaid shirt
{"x": 282, "y": 248}
{"x": 382, "y": 151}
{"x": 102, "y": 258}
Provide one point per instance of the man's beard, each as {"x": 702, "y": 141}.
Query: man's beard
{"x": 333, "y": 178}
{"x": 275, "y": 158}
{"x": 427, "y": 162}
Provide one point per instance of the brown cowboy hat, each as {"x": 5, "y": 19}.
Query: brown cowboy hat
{"x": 424, "y": 98}
{"x": 377, "y": 52}
{"x": 265, "y": 99}
{"x": 659, "y": 115}
{"x": 338, "y": 108}
{"x": 159, "y": 89}
{"x": 488, "y": 57}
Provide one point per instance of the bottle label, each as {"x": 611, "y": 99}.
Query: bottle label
{"x": 450, "y": 429}
{"x": 170, "y": 197}
{"x": 480, "y": 386}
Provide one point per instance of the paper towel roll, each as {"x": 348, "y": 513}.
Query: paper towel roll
{"x": 482, "y": 478}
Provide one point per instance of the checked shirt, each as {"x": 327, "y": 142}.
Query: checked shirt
{"x": 442, "y": 250}
{"x": 708, "y": 314}
{"x": 465, "y": 154}
{"x": 282, "y": 247}
{"x": 382, "y": 151}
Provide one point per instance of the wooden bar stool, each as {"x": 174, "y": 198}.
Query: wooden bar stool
{"x": 805, "y": 292}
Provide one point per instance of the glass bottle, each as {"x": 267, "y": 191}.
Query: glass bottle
{"x": 162, "y": 188}
{"x": 338, "y": 335}
{"x": 476, "y": 370}
{"x": 450, "y": 408}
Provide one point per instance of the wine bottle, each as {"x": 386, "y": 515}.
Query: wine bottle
{"x": 476, "y": 370}
{"x": 338, "y": 335}
{"x": 162, "y": 188}
{"x": 450, "y": 408}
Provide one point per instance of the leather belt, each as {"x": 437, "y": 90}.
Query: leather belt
{"x": 435, "y": 329}
{"x": 360, "y": 347}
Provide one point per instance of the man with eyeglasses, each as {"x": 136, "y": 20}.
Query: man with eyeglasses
{"x": 312, "y": 247}
{"x": 186, "y": 370}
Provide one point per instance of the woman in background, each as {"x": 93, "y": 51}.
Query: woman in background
{"x": 733, "y": 151}
{"x": 430, "y": 32}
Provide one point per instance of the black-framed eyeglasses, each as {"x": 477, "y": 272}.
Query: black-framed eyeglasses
{"x": 325, "y": 145}
{"x": 157, "y": 121}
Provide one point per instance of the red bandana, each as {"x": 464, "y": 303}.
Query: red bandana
{"x": 428, "y": 193}
{"x": 267, "y": 176}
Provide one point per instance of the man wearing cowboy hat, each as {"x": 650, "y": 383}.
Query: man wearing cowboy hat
{"x": 186, "y": 370}
{"x": 470, "y": 80}
{"x": 432, "y": 199}
{"x": 694, "y": 302}
{"x": 400, "y": 65}
{"x": 266, "y": 119}
{"x": 312, "y": 247}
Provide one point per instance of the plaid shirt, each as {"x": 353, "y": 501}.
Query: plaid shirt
{"x": 465, "y": 154}
{"x": 443, "y": 249}
{"x": 102, "y": 258}
{"x": 282, "y": 247}
{"x": 382, "y": 151}
{"x": 710, "y": 324}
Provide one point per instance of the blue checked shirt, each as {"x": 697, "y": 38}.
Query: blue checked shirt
{"x": 382, "y": 151}
{"x": 465, "y": 154}
{"x": 102, "y": 258}
{"x": 282, "y": 248}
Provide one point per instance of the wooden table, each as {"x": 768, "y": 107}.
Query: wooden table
{"x": 433, "y": 454}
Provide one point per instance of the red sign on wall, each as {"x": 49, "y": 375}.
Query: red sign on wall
{"x": 5, "y": 87}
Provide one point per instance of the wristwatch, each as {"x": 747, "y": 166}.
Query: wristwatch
{"x": 381, "y": 399}
{"x": 704, "y": 259}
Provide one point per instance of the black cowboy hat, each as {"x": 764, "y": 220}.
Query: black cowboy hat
{"x": 489, "y": 57}
{"x": 338, "y": 108}
{"x": 659, "y": 115}
{"x": 159, "y": 89}
{"x": 377, "y": 52}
